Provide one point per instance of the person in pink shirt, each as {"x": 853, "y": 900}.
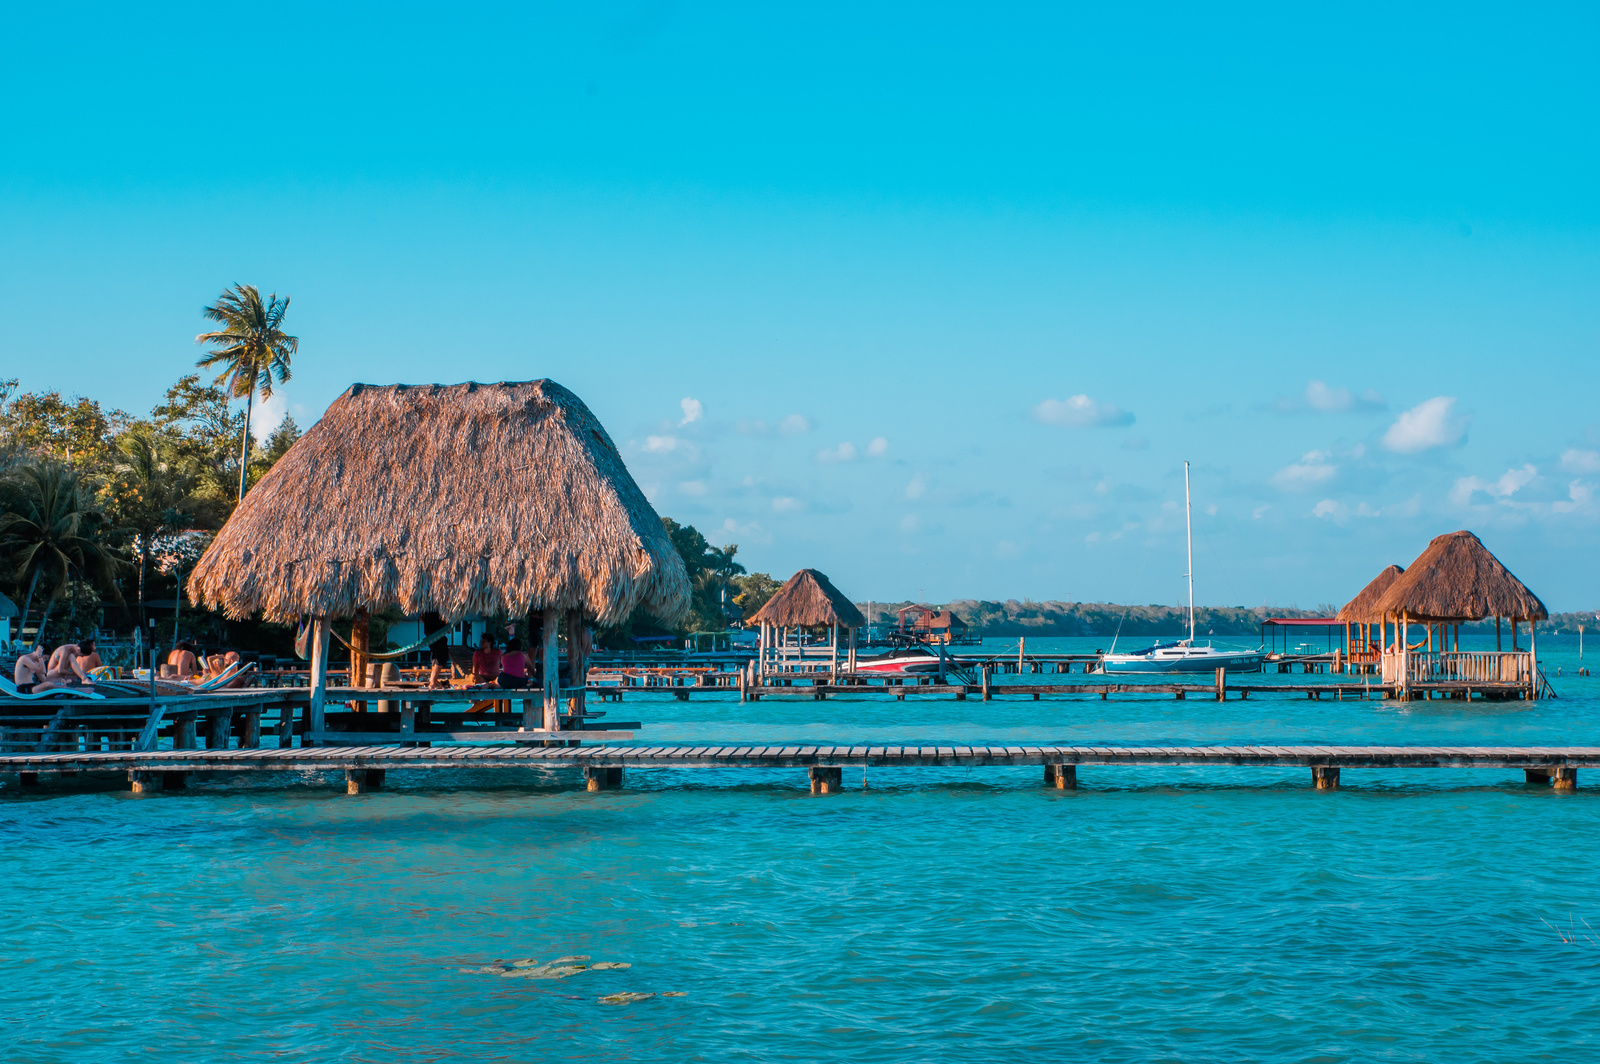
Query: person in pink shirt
{"x": 513, "y": 666}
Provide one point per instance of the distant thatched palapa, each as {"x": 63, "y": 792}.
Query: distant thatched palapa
{"x": 1363, "y": 608}
{"x": 809, "y": 600}
{"x": 460, "y": 499}
{"x": 1456, "y": 579}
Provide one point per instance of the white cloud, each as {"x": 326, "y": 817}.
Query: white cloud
{"x": 1580, "y": 496}
{"x": 794, "y": 425}
{"x": 787, "y": 504}
{"x": 1432, "y": 423}
{"x": 1576, "y": 461}
{"x": 878, "y": 447}
{"x": 1314, "y": 468}
{"x": 1255, "y": 515}
{"x": 1328, "y": 508}
{"x": 267, "y": 416}
{"x": 1211, "y": 511}
{"x": 910, "y": 523}
{"x": 661, "y": 444}
{"x": 1513, "y": 481}
{"x": 1079, "y": 411}
{"x": 845, "y": 452}
{"x": 692, "y": 487}
{"x": 692, "y": 411}
{"x": 1334, "y": 400}
{"x": 918, "y": 485}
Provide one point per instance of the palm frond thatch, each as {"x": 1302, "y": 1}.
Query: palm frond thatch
{"x": 462, "y": 499}
{"x": 809, "y": 600}
{"x": 1359, "y": 610}
{"x": 1457, "y": 579}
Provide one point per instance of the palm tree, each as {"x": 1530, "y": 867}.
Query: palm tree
{"x": 252, "y": 349}
{"x": 55, "y": 531}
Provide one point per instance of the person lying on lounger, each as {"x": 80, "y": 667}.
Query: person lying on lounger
{"x": 32, "y": 667}
{"x": 182, "y": 662}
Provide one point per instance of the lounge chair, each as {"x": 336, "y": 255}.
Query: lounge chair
{"x": 9, "y": 690}
{"x": 224, "y": 677}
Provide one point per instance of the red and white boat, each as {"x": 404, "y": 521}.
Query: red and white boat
{"x": 904, "y": 661}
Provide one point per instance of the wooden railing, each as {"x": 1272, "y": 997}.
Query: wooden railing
{"x": 1511, "y": 668}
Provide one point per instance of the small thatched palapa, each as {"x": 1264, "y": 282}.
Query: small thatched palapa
{"x": 460, "y": 499}
{"x": 809, "y": 600}
{"x": 1361, "y": 609}
{"x": 1457, "y": 579}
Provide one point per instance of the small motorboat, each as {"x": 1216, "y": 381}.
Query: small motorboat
{"x": 904, "y": 661}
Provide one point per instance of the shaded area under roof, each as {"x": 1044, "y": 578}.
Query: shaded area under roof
{"x": 809, "y": 600}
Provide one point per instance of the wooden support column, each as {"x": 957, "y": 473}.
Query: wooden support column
{"x": 219, "y": 729}
{"x": 1061, "y": 777}
{"x": 552, "y": 669}
{"x": 602, "y": 777}
{"x": 532, "y": 718}
{"x": 1222, "y": 684}
{"x": 1325, "y": 778}
{"x": 183, "y": 731}
{"x": 251, "y": 739}
{"x": 852, "y": 660}
{"x": 826, "y": 779}
{"x": 360, "y": 646}
{"x": 578, "y": 662}
{"x": 986, "y": 695}
{"x": 321, "y": 636}
{"x": 1566, "y": 779}
{"x": 144, "y": 782}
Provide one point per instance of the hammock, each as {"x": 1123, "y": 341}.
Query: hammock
{"x": 391, "y": 654}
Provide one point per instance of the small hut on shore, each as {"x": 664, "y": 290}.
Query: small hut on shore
{"x": 1362, "y": 612}
{"x": 1457, "y": 580}
{"x": 505, "y": 500}
{"x": 807, "y": 601}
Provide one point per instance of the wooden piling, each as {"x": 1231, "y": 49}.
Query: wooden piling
{"x": 602, "y": 777}
{"x": 1566, "y": 779}
{"x": 250, "y": 739}
{"x": 1222, "y": 685}
{"x": 986, "y": 670}
{"x": 362, "y": 780}
{"x": 826, "y": 779}
{"x": 1325, "y": 779}
{"x": 1061, "y": 777}
{"x": 144, "y": 782}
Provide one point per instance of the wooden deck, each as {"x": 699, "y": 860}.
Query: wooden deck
{"x": 364, "y": 766}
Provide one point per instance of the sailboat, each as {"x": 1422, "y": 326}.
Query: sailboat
{"x": 1183, "y": 656}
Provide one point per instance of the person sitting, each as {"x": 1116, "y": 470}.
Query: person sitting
{"x": 88, "y": 657}
{"x": 513, "y": 666}
{"x": 32, "y": 667}
{"x": 231, "y": 660}
{"x": 66, "y": 670}
{"x": 439, "y": 654}
{"x": 215, "y": 664}
{"x": 59, "y": 655}
{"x": 485, "y": 661}
{"x": 181, "y": 661}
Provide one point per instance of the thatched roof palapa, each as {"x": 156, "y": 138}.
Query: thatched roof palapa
{"x": 460, "y": 499}
{"x": 809, "y": 600}
{"x": 1360, "y": 610}
{"x": 1457, "y": 579}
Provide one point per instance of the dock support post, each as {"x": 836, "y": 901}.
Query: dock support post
{"x": 1325, "y": 778}
{"x": 1061, "y": 777}
{"x": 1566, "y": 779}
{"x": 183, "y": 731}
{"x": 321, "y": 638}
{"x": 1222, "y": 685}
{"x": 219, "y": 728}
{"x": 1537, "y": 775}
{"x": 826, "y": 779}
{"x": 602, "y": 777}
{"x": 250, "y": 738}
{"x": 362, "y": 780}
{"x": 986, "y": 695}
{"x": 552, "y": 669}
{"x": 144, "y": 782}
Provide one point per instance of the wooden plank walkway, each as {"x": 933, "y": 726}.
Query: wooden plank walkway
{"x": 300, "y": 759}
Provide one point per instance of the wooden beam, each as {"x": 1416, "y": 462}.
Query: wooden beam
{"x": 552, "y": 669}
{"x": 321, "y": 630}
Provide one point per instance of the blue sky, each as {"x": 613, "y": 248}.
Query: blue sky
{"x": 937, "y": 300}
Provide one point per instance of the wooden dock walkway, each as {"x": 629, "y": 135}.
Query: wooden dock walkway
{"x": 364, "y": 766}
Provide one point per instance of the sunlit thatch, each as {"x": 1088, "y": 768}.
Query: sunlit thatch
{"x": 809, "y": 600}
{"x": 462, "y": 499}
{"x": 1361, "y": 609}
{"x": 1457, "y": 579}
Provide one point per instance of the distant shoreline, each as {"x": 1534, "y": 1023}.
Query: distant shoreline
{"x": 1053, "y": 618}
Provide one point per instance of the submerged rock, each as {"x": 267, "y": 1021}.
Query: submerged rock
{"x": 627, "y": 997}
{"x": 674, "y": 993}
{"x": 605, "y": 966}
{"x": 544, "y": 971}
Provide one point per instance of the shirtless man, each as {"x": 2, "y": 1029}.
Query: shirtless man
{"x": 89, "y": 657}
{"x": 60, "y": 655}
{"x": 31, "y": 669}
{"x": 182, "y": 661}
{"x": 65, "y": 670}
{"x": 229, "y": 660}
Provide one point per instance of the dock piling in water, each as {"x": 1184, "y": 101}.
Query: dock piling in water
{"x": 602, "y": 777}
{"x": 1061, "y": 777}
{"x": 826, "y": 779}
{"x": 1325, "y": 778}
{"x": 1566, "y": 779}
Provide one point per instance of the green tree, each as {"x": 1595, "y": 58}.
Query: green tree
{"x": 52, "y": 529}
{"x": 197, "y": 418}
{"x": 754, "y": 591}
{"x": 711, "y": 570}
{"x": 251, "y": 348}
{"x": 283, "y": 437}
{"x": 152, "y": 493}
{"x": 43, "y": 424}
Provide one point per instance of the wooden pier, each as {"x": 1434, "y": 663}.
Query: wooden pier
{"x": 364, "y": 767}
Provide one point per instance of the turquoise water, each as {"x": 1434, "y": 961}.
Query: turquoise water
{"x": 952, "y": 915}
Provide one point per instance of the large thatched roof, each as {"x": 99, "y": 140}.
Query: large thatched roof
{"x": 1359, "y": 610}
{"x": 1457, "y": 579}
{"x": 808, "y": 600}
{"x": 461, "y": 499}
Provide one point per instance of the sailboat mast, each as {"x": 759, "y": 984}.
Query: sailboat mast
{"x": 1188, "y": 527}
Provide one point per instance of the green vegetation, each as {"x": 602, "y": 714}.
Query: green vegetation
{"x": 251, "y": 348}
